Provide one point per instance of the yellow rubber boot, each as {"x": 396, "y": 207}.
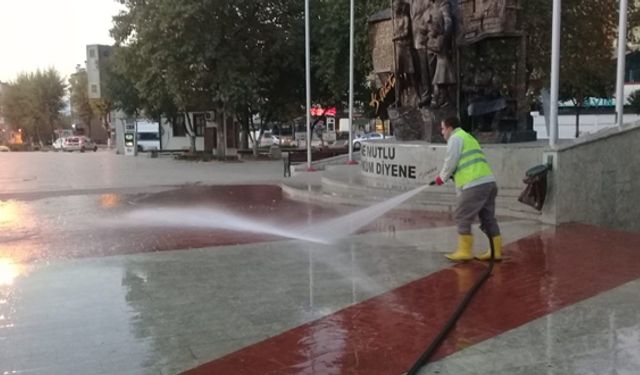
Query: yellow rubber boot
{"x": 497, "y": 244}
{"x": 465, "y": 249}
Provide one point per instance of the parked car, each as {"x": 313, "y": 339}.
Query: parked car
{"x": 79, "y": 143}
{"x": 267, "y": 140}
{"x": 58, "y": 144}
{"x": 4, "y": 149}
{"x": 357, "y": 142}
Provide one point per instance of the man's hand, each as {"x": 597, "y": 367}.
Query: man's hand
{"x": 438, "y": 181}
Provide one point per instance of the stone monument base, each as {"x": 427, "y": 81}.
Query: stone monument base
{"x": 418, "y": 162}
{"x": 423, "y": 124}
{"x": 419, "y": 124}
{"x": 515, "y": 136}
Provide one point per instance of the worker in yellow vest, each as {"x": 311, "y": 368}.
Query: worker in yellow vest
{"x": 476, "y": 189}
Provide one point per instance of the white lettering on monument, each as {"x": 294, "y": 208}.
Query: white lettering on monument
{"x": 383, "y": 163}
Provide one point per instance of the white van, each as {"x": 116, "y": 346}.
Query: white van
{"x": 148, "y": 135}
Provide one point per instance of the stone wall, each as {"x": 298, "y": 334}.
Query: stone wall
{"x": 589, "y": 123}
{"x": 419, "y": 162}
{"x": 596, "y": 180}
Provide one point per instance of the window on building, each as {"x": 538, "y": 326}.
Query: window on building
{"x": 177, "y": 126}
{"x": 94, "y": 89}
{"x": 92, "y": 52}
{"x": 148, "y": 136}
{"x": 199, "y": 123}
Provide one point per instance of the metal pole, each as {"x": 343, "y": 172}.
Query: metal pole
{"x": 622, "y": 44}
{"x": 395, "y": 69}
{"x": 351, "y": 52}
{"x": 307, "y": 52}
{"x": 555, "y": 73}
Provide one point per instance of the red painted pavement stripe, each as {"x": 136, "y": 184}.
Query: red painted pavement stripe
{"x": 384, "y": 335}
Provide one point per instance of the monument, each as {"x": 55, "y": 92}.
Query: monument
{"x": 445, "y": 58}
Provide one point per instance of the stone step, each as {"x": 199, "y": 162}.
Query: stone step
{"x": 324, "y": 164}
{"x": 316, "y": 194}
{"x": 342, "y": 185}
{"x": 340, "y": 178}
{"x": 382, "y": 187}
{"x": 337, "y": 182}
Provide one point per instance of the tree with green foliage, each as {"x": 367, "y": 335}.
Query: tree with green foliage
{"x": 79, "y": 98}
{"x": 275, "y": 54}
{"x": 587, "y": 46}
{"x": 330, "y": 51}
{"x": 587, "y": 69}
{"x": 17, "y": 103}
{"x": 587, "y": 51}
{"x": 33, "y": 103}
{"x": 49, "y": 99}
{"x": 119, "y": 85}
{"x": 102, "y": 107}
{"x": 239, "y": 58}
{"x": 246, "y": 58}
{"x": 140, "y": 58}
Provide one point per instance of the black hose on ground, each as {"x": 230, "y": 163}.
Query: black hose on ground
{"x": 456, "y": 315}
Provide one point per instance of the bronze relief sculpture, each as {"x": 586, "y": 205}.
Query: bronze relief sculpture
{"x": 440, "y": 69}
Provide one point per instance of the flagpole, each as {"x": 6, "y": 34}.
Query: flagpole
{"x": 622, "y": 47}
{"x": 307, "y": 50}
{"x": 555, "y": 74}
{"x": 351, "y": 53}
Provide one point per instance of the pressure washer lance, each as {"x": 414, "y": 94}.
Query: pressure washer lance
{"x": 456, "y": 315}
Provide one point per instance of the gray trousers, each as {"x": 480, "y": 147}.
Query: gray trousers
{"x": 477, "y": 201}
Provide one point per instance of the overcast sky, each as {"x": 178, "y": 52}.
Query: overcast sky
{"x": 51, "y": 33}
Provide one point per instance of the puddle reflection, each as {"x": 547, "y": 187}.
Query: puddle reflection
{"x": 9, "y": 271}
{"x": 15, "y": 217}
{"x": 108, "y": 201}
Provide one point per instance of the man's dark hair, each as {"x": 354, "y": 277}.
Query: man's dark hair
{"x": 451, "y": 122}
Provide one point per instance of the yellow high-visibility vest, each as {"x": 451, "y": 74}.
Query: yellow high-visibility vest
{"x": 472, "y": 164}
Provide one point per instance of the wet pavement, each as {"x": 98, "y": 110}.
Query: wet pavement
{"x": 87, "y": 225}
{"x": 35, "y": 175}
{"x": 83, "y": 290}
{"x": 541, "y": 276}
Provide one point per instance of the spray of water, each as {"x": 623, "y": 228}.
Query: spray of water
{"x": 209, "y": 218}
{"x": 326, "y": 232}
{"x": 332, "y": 230}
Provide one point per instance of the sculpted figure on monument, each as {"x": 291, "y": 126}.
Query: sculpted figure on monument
{"x": 439, "y": 45}
{"x": 419, "y": 26}
{"x": 417, "y": 49}
{"x": 481, "y": 87}
{"x": 405, "y": 70}
{"x": 492, "y": 8}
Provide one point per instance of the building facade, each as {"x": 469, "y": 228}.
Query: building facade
{"x": 97, "y": 55}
